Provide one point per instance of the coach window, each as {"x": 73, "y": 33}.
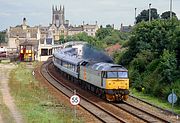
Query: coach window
{"x": 64, "y": 64}
{"x": 75, "y": 68}
{"x": 59, "y": 61}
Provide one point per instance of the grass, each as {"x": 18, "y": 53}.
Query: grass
{"x": 35, "y": 102}
{"x": 156, "y": 101}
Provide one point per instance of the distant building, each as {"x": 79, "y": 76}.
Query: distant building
{"x": 126, "y": 28}
{"x": 21, "y": 33}
{"x": 75, "y": 30}
{"x": 38, "y": 36}
{"x": 90, "y": 29}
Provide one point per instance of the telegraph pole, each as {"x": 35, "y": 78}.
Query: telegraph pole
{"x": 170, "y": 9}
{"x": 150, "y": 12}
{"x": 135, "y": 16}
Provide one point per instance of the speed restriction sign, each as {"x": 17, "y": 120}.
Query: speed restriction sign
{"x": 75, "y": 100}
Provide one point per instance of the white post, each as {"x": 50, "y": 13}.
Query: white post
{"x": 75, "y": 107}
{"x": 172, "y": 100}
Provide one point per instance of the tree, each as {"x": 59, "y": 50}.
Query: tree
{"x": 152, "y": 57}
{"x": 103, "y": 32}
{"x": 61, "y": 39}
{"x": 144, "y": 15}
{"x": 2, "y": 36}
{"x": 109, "y": 26}
{"x": 166, "y": 15}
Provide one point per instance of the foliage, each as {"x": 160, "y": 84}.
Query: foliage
{"x": 111, "y": 36}
{"x": 2, "y": 36}
{"x": 144, "y": 15}
{"x": 152, "y": 56}
{"x": 61, "y": 39}
{"x": 103, "y": 32}
{"x": 84, "y": 37}
{"x": 154, "y": 100}
{"x": 104, "y": 37}
{"x": 166, "y": 15}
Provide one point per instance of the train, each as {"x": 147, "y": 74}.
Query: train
{"x": 107, "y": 80}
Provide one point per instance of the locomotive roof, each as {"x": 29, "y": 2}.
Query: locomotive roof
{"x": 108, "y": 67}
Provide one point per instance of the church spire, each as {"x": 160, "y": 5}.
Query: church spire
{"x": 60, "y": 7}
{"x": 63, "y": 9}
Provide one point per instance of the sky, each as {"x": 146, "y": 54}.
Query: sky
{"x": 39, "y": 12}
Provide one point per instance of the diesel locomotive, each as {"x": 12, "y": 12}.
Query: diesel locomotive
{"x": 107, "y": 80}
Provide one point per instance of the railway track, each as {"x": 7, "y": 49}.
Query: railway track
{"x": 140, "y": 113}
{"x": 99, "y": 112}
{"x": 161, "y": 109}
{"x": 97, "y": 109}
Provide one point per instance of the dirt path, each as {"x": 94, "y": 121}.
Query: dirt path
{"x": 1, "y": 119}
{"x": 4, "y": 89}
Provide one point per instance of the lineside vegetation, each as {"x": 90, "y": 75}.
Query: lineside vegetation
{"x": 36, "y": 103}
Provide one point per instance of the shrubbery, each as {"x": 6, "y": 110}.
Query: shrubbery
{"x": 153, "y": 57}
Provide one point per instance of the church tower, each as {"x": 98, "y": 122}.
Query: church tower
{"x": 58, "y": 16}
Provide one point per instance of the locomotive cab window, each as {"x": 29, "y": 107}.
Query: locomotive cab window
{"x": 112, "y": 74}
{"x": 123, "y": 74}
{"x": 120, "y": 74}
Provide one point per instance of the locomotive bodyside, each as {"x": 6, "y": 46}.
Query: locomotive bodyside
{"x": 108, "y": 80}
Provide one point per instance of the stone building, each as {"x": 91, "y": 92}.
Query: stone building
{"x": 75, "y": 30}
{"x": 21, "y": 33}
{"x": 126, "y": 28}
{"x": 90, "y": 29}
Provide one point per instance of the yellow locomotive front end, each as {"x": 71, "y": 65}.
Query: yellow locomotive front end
{"x": 117, "y": 85}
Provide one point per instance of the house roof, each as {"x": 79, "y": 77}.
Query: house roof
{"x": 28, "y": 42}
{"x": 22, "y": 33}
{"x": 76, "y": 29}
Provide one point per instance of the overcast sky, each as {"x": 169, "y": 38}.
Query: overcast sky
{"x": 76, "y": 11}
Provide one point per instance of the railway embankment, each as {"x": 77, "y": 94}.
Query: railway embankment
{"x": 34, "y": 100}
{"x": 157, "y": 102}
